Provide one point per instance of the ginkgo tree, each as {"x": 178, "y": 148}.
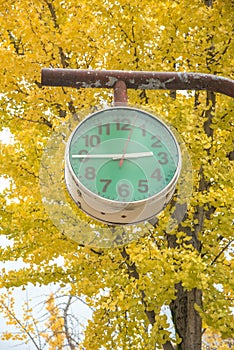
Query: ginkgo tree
{"x": 51, "y": 324}
{"x": 187, "y": 268}
{"x": 54, "y": 323}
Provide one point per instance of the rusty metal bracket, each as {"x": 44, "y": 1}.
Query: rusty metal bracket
{"x": 120, "y": 81}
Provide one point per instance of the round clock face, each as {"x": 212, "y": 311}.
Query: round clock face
{"x": 123, "y": 154}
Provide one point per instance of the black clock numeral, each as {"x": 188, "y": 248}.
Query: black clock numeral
{"x": 143, "y": 186}
{"x": 106, "y": 182}
{"x": 126, "y": 127}
{"x": 104, "y": 129}
{"x": 157, "y": 143}
{"x": 156, "y": 174}
{"x": 163, "y": 158}
{"x": 142, "y": 128}
{"x": 124, "y": 190}
{"x": 91, "y": 140}
{"x": 83, "y": 151}
{"x": 123, "y": 125}
{"x": 90, "y": 173}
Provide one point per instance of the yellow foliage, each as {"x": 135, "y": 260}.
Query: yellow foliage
{"x": 124, "y": 35}
{"x": 27, "y": 328}
{"x": 213, "y": 340}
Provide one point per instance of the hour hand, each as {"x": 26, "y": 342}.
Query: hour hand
{"x": 132, "y": 155}
{"x": 114, "y": 156}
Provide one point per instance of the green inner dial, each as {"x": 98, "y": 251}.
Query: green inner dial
{"x": 123, "y": 154}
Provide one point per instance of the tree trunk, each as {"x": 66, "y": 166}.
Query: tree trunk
{"x": 186, "y": 319}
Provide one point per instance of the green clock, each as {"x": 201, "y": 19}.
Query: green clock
{"x": 122, "y": 165}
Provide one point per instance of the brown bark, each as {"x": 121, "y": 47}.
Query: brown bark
{"x": 187, "y": 321}
{"x": 150, "y": 314}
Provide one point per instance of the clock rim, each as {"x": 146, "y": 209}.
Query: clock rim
{"x": 117, "y": 203}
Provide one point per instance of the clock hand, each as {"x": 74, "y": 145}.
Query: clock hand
{"x": 127, "y": 143}
{"x": 132, "y": 155}
{"x": 114, "y": 156}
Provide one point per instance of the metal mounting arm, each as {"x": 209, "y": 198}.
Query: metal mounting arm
{"x": 120, "y": 81}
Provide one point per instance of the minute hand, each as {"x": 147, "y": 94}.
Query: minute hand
{"x": 114, "y": 156}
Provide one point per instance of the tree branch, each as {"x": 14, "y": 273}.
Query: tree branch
{"x": 132, "y": 270}
{"x": 66, "y": 327}
{"x": 168, "y": 346}
{"x": 54, "y": 18}
{"x": 221, "y": 252}
{"x": 21, "y": 325}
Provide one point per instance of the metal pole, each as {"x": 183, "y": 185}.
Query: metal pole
{"x": 137, "y": 80}
{"x": 120, "y": 93}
